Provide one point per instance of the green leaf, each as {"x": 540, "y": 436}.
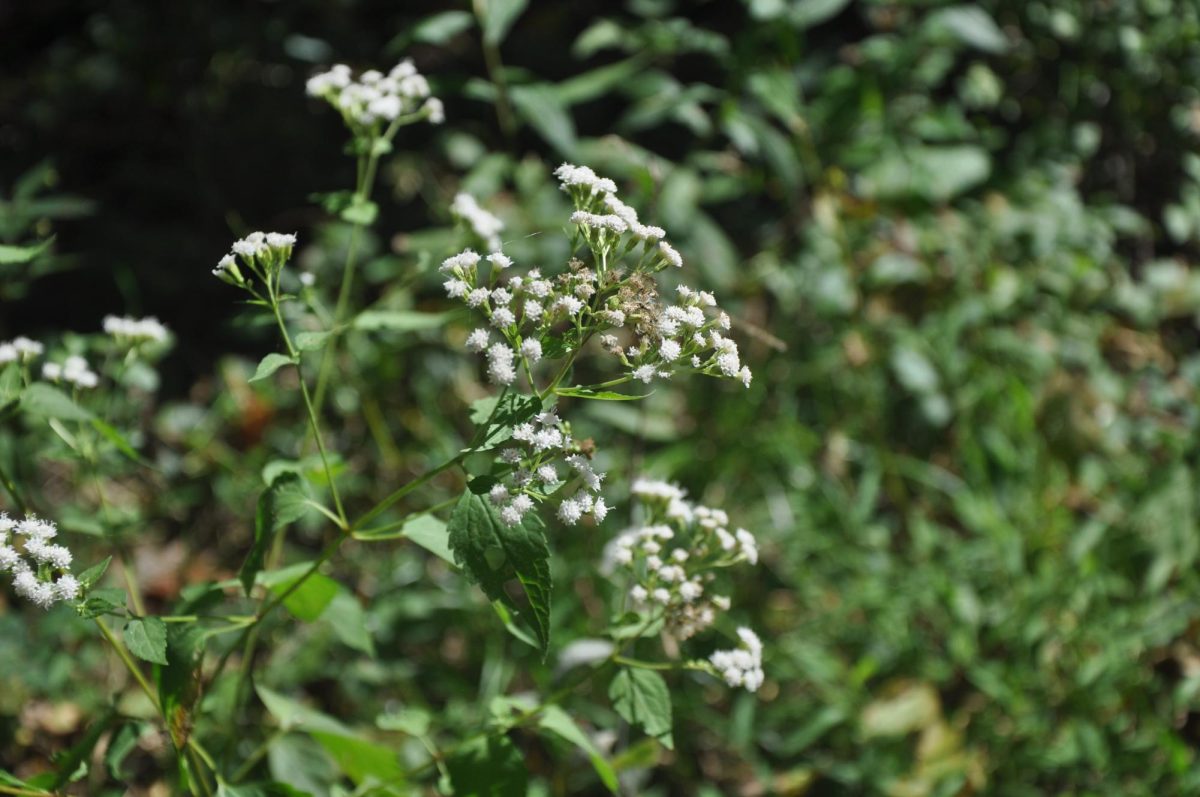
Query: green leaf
{"x": 499, "y": 18}
{"x": 118, "y": 440}
{"x": 597, "y": 395}
{"x": 100, "y": 602}
{"x": 493, "y": 553}
{"x": 270, "y": 364}
{"x": 311, "y": 341}
{"x": 641, "y": 698}
{"x": 121, "y": 745}
{"x": 597, "y": 82}
{"x": 489, "y": 767}
{"x": 410, "y": 720}
{"x": 970, "y": 25}
{"x": 345, "y": 614}
{"x": 358, "y": 758}
{"x": 807, "y": 13}
{"x": 557, "y": 721}
{"x": 49, "y": 402}
{"x": 399, "y": 320}
{"x": 280, "y": 504}
{"x": 497, "y": 415}
{"x": 361, "y": 759}
{"x": 360, "y": 211}
{"x": 146, "y": 638}
{"x": 89, "y": 577}
{"x": 425, "y": 530}
{"x": 310, "y": 599}
{"x": 542, "y": 110}
{"x": 440, "y": 28}
{"x": 12, "y": 255}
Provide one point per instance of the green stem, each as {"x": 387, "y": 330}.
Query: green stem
{"x": 22, "y": 507}
{"x": 495, "y": 70}
{"x": 386, "y": 503}
{"x": 129, "y": 663}
{"x": 308, "y": 406}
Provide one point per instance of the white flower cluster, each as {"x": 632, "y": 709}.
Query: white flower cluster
{"x": 741, "y": 666}
{"x": 36, "y": 582}
{"x": 259, "y": 251}
{"x": 74, "y": 370}
{"x": 666, "y": 337}
{"x": 20, "y": 350}
{"x": 484, "y": 224}
{"x": 134, "y": 331}
{"x": 375, "y": 97}
{"x": 543, "y": 442}
{"x": 522, "y": 309}
{"x": 672, "y": 557}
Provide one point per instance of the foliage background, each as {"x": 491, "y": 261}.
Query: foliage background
{"x": 958, "y": 240}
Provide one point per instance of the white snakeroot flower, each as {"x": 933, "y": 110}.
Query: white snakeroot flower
{"x": 500, "y": 364}
{"x": 501, "y": 296}
{"x": 129, "y": 330}
{"x": 36, "y": 584}
{"x": 669, "y": 254}
{"x": 531, "y": 349}
{"x": 741, "y": 666}
{"x": 455, "y": 288}
{"x": 483, "y": 224}
{"x": 478, "y": 340}
{"x": 570, "y": 176}
{"x": 669, "y": 350}
{"x": 533, "y": 309}
{"x": 500, "y": 261}
{"x": 644, "y": 372}
{"x": 569, "y": 512}
{"x": 374, "y": 98}
{"x": 547, "y": 474}
{"x": 503, "y": 317}
{"x": 609, "y": 222}
{"x": 568, "y": 304}
{"x": 477, "y": 297}
{"x": 26, "y": 349}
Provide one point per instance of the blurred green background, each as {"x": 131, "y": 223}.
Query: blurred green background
{"x": 958, "y": 242}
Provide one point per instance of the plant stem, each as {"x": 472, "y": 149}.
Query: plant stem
{"x": 308, "y": 406}
{"x": 495, "y": 70}
{"x": 129, "y": 663}
{"x": 383, "y": 505}
{"x": 22, "y": 507}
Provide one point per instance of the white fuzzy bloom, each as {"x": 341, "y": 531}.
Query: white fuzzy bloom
{"x": 499, "y": 260}
{"x": 669, "y": 254}
{"x": 483, "y": 224}
{"x": 76, "y": 371}
{"x": 533, "y": 309}
{"x": 129, "y": 330}
{"x": 568, "y": 304}
{"x": 614, "y": 318}
{"x": 669, "y": 350}
{"x": 36, "y": 585}
{"x": 569, "y": 511}
{"x": 648, "y": 232}
{"x": 456, "y": 288}
{"x": 21, "y": 349}
{"x": 503, "y": 317}
{"x": 748, "y": 545}
{"x": 478, "y": 340}
{"x": 374, "y": 98}
{"x": 547, "y": 474}
{"x": 599, "y": 509}
{"x": 741, "y": 666}
{"x": 582, "y": 177}
{"x": 531, "y": 349}
{"x": 501, "y": 297}
{"x": 500, "y": 364}
{"x": 434, "y": 110}
{"x": 539, "y": 287}
{"x": 477, "y": 297}
{"x": 609, "y": 222}
{"x": 498, "y": 495}
{"x": 639, "y": 593}
{"x": 644, "y": 372}
{"x": 462, "y": 262}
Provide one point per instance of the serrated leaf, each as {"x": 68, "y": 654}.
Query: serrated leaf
{"x": 280, "y": 504}
{"x": 557, "y": 721}
{"x": 269, "y": 365}
{"x": 49, "y": 402}
{"x": 641, "y": 698}
{"x": 489, "y": 767}
{"x": 493, "y": 553}
{"x": 146, "y": 638}
{"x": 497, "y": 415}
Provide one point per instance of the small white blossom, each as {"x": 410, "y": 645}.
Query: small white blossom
{"x": 531, "y": 349}
{"x": 482, "y": 223}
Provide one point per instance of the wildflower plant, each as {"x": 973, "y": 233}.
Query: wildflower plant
{"x": 523, "y": 471}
